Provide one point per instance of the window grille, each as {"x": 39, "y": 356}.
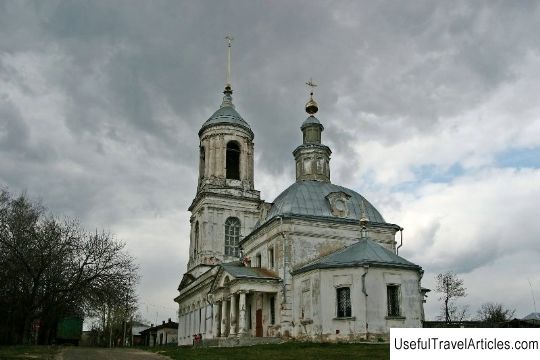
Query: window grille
{"x": 393, "y": 300}
{"x": 232, "y": 236}
{"x": 344, "y": 302}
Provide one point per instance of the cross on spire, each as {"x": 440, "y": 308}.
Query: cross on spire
{"x": 312, "y": 85}
{"x": 311, "y": 105}
{"x": 229, "y": 39}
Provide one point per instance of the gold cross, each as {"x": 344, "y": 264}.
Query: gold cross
{"x": 312, "y": 85}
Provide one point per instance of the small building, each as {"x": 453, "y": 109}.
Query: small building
{"x": 533, "y": 318}
{"x": 136, "y": 329}
{"x": 164, "y": 334}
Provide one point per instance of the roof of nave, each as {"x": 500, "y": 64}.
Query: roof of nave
{"x": 364, "y": 252}
{"x": 309, "y": 198}
{"x": 238, "y": 270}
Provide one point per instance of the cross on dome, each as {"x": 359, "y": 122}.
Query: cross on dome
{"x": 311, "y": 105}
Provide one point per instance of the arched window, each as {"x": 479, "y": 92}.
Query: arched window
{"x": 232, "y": 236}
{"x": 233, "y": 160}
{"x": 196, "y": 238}
{"x": 201, "y": 162}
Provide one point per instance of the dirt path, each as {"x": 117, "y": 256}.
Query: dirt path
{"x": 82, "y": 353}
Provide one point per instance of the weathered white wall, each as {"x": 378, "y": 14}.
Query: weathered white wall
{"x": 321, "y": 322}
{"x": 194, "y": 312}
{"x": 211, "y": 213}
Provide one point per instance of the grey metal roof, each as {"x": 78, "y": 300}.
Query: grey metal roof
{"x": 309, "y": 198}
{"x": 532, "y": 316}
{"x": 238, "y": 270}
{"x": 225, "y": 115}
{"x": 311, "y": 120}
{"x": 364, "y": 252}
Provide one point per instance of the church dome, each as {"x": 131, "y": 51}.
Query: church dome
{"x": 315, "y": 199}
{"x": 225, "y": 115}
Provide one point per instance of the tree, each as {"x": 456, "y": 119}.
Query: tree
{"x": 494, "y": 313}
{"x": 52, "y": 268}
{"x": 451, "y": 288}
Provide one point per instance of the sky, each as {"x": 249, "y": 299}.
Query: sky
{"x": 431, "y": 110}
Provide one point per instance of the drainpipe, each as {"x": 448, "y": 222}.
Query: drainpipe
{"x": 284, "y": 247}
{"x": 401, "y": 240}
{"x": 366, "y": 269}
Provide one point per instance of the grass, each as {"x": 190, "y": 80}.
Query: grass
{"x": 27, "y": 352}
{"x": 286, "y": 351}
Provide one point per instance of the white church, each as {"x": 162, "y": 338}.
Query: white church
{"x": 318, "y": 263}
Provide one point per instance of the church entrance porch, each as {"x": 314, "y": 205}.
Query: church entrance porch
{"x": 244, "y": 313}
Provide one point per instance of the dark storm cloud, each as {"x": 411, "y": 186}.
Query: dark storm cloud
{"x": 101, "y": 102}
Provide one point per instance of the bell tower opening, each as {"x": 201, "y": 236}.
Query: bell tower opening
{"x": 233, "y": 160}
{"x": 202, "y": 158}
{"x": 196, "y": 239}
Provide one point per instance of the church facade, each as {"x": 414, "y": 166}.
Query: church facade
{"x": 318, "y": 263}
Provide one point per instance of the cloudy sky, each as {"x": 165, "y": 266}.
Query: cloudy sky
{"x": 431, "y": 109}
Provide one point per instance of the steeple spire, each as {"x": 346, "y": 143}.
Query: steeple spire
{"x": 229, "y": 39}
{"x": 227, "y": 99}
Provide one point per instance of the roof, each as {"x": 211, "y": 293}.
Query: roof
{"x": 238, "y": 270}
{"x": 532, "y": 316}
{"x": 311, "y": 120}
{"x": 309, "y": 198}
{"x": 364, "y": 252}
{"x": 226, "y": 115}
{"x": 164, "y": 325}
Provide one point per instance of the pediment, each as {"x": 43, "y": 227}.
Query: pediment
{"x": 222, "y": 279}
{"x": 186, "y": 280}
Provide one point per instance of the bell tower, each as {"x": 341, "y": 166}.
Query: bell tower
{"x": 226, "y": 205}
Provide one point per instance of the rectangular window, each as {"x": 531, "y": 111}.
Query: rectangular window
{"x": 249, "y": 316}
{"x": 272, "y": 310}
{"x": 392, "y": 292}
{"x": 305, "y": 305}
{"x": 258, "y": 260}
{"x": 200, "y": 319}
{"x": 343, "y": 302}
{"x": 271, "y": 258}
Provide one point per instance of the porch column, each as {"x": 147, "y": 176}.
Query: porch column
{"x": 215, "y": 319}
{"x": 232, "y": 318}
{"x": 180, "y": 326}
{"x": 242, "y": 315}
{"x": 223, "y": 318}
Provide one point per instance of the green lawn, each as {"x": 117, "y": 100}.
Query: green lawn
{"x": 27, "y": 352}
{"x": 286, "y": 351}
